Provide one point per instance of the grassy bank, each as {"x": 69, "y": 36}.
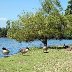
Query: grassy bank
{"x": 37, "y": 61}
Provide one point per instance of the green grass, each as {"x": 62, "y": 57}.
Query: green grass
{"x": 37, "y": 61}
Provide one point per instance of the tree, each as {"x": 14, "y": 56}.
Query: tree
{"x": 50, "y": 5}
{"x": 3, "y": 32}
{"x": 8, "y": 24}
{"x": 68, "y": 31}
{"x": 14, "y": 29}
{"x": 38, "y": 26}
{"x": 0, "y": 32}
{"x": 69, "y": 8}
{"x": 32, "y": 27}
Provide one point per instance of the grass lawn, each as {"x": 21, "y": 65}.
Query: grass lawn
{"x": 37, "y": 61}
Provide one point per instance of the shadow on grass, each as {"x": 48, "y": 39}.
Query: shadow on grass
{"x": 54, "y": 48}
{"x": 5, "y": 56}
{"x": 25, "y": 55}
{"x": 46, "y": 52}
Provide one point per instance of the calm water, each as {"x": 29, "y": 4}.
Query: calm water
{"x": 14, "y": 45}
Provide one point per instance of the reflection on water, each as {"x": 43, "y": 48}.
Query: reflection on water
{"x": 14, "y": 45}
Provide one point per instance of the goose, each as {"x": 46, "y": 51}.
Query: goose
{"x": 66, "y": 46}
{"x": 24, "y": 50}
{"x": 5, "y": 51}
{"x": 45, "y": 48}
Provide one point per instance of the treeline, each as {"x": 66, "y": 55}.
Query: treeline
{"x": 3, "y": 32}
{"x": 47, "y": 23}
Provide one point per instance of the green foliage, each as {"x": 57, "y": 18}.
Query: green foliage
{"x": 68, "y": 31}
{"x": 50, "y": 5}
{"x": 69, "y": 8}
{"x": 3, "y": 32}
{"x": 33, "y": 26}
{"x": 57, "y": 24}
{"x": 14, "y": 30}
{"x": 8, "y": 24}
{"x": 39, "y": 26}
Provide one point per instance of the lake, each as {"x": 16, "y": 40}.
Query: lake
{"x": 14, "y": 45}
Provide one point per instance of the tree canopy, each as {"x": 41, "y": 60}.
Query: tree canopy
{"x": 50, "y": 5}
{"x": 69, "y": 8}
{"x": 41, "y": 25}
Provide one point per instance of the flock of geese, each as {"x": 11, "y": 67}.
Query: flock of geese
{"x": 5, "y": 51}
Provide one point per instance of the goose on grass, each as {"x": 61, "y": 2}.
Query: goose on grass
{"x": 24, "y": 50}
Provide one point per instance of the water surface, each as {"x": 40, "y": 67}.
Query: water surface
{"x": 14, "y": 45}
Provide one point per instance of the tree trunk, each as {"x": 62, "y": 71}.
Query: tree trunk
{"x": 45, "y": 48}
{"x": 44, "y": 41}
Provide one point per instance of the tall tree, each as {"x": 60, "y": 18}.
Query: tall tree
{"x": 38, "y": 26}
{"x": 68, "y": 31}
{"x": 69, "y": 8}
{"x": 8, "y": 24}
{"x": 3, "y": 32}
{"x": 50, "y": 5}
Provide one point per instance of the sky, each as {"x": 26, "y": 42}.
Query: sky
{"x": 10, "y": 9}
